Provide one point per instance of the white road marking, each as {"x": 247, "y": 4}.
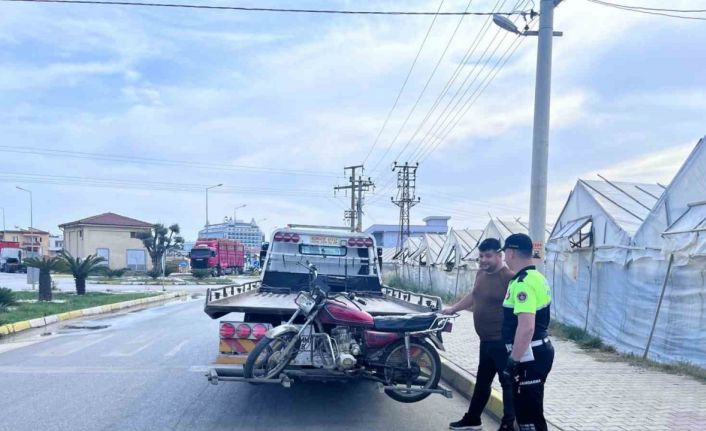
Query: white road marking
{"x": 75, "y": 346}
{"x": 6, "y": 347}
{"x": 85, "y": 370}
{"x": 135, "y": 346}
{"x": 176, "y": 349}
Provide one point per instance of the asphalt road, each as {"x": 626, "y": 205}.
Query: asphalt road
{"x": 141, "y": 373}
{"x": 66, "y": 283}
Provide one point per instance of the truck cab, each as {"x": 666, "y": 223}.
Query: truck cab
{"x": 347, "y": 260}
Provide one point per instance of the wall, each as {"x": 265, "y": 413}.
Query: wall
{"x": 116, "y": 239}
{"x": 433, "y": 279}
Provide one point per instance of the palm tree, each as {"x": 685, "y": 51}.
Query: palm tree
{"x": 81, "y": 268}
{"x": 158, "y": 241}
{"x": 45, "y": 265}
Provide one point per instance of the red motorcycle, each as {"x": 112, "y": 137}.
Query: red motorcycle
{"x": 338, "y": 340}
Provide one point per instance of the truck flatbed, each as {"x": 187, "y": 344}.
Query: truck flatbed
{"x": 254, "y": 298}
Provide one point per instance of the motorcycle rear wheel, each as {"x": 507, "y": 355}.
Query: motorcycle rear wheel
{"x": 425, "y": 373}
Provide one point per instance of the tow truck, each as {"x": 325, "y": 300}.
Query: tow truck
{"x": 350, "y": 263}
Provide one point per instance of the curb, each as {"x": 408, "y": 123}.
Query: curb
{"x": 464, "y": 383}
{"x": 13, "y": 328}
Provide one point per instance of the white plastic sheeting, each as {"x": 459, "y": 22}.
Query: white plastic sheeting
{"x": 428, "y": 249}
{"x": 641, "y": 285}
{"x": 686, "y": 237}
{"x": 458, "y": 247}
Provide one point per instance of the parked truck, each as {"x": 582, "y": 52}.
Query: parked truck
{"x": 219, "y": 256}
{"x": 11, "y": 257}
{"x": 347, "y": 268}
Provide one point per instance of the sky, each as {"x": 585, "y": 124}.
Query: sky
{"x": 137, "y": 110}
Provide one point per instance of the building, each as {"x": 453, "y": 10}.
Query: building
{"x": 111, "y": 236}
{"x": 34, "y": 241}
{"x": 386, "y": 235}
{"x": 249, "y": 234}
{"x": 56, "y": 244}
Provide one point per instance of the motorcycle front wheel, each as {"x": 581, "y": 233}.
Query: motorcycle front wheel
{"x": 424, "y": 373}
{"x": 267, "y": 359}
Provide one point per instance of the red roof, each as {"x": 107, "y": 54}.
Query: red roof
{"x": 108, "y": 219}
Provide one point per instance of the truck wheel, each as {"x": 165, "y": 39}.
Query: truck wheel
{"x": 424, "y": 374}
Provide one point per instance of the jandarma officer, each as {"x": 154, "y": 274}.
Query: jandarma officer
{"x": 525, "y": 331}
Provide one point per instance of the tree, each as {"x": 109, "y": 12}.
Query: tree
{"x": 45, "y": 265}
{"x": 160, "y": 239}
{"x": 81, "y": 268}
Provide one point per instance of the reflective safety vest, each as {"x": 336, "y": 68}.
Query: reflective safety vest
{"x": 528, "y": 292}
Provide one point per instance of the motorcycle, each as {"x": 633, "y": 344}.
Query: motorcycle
{"x": 338, "y": 340}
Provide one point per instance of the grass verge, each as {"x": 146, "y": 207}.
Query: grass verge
{"x": 590, "y": 342}
{"x": 32, "y": 310}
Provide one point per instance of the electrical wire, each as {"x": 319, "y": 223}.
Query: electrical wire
{"x": 404, "y": 84}
{"x": 472, "y": 99}
{"x": 157, "y": 161}
{"x": 424, "y": 89}
{"x": 151, "y": 185}
{"x": 650, "y": 11}
{"x": 455, "y": 75}
{"x": 261, "y": 9}
{"x": 469, "y": 53}
{"x": 450, "y": 112}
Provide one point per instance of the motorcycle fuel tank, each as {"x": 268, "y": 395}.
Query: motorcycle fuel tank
{"x": 340, "y": 314}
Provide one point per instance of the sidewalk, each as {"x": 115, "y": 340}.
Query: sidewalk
{"x": 585, "y": 392}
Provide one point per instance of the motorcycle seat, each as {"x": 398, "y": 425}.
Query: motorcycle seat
{"x": 404, "y": 323}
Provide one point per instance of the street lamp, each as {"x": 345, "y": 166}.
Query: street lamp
{"x": 235, "y": 209}
{"x": 31, "y": 216}
{"x": 540, "y": 131}
{"x": 3, "y": 223}
{"x": 207, "y": 189}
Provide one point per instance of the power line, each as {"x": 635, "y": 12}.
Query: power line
{"x": 653, "y": 8}
{"x": 150, "y": 185}
{"x": 450, "y": 111}
{"x": 469, "y": 53}
{"x": 650, "y": 11}
{"x": 450, "y": 126}
{"x": 261, "y": 9}
{"x": 146, "y": 160}
{"x": 404, "y": 84}
{"x": 424, "y": 89}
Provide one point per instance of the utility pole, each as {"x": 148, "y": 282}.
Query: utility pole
{"x": 540, "y": 134}
{"x": 406, "y": 198}
{"x": 540, "y": 130}
{"x": 358, "y": 185}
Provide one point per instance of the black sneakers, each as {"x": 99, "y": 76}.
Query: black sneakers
{"x": 507, "y": 426}
{"x": 467, "y": 423}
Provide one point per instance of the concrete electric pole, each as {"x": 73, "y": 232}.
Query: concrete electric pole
{"x": 540, "y": 131}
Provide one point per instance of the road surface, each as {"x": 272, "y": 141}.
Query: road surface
{"x": 141, "y": 373}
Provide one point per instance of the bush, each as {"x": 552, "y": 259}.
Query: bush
{"x": 200, "y": 273}
{"x": 154, "y": 273}
{"x": 171, "y": 268}
{"x": 116, "y": 273}
{"x": 7, "y": 297}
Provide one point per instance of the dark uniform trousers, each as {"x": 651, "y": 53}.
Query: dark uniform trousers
{"x": 529, "y": 389}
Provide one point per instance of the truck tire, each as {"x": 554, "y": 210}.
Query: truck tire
{"x": 395, "y": 353}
